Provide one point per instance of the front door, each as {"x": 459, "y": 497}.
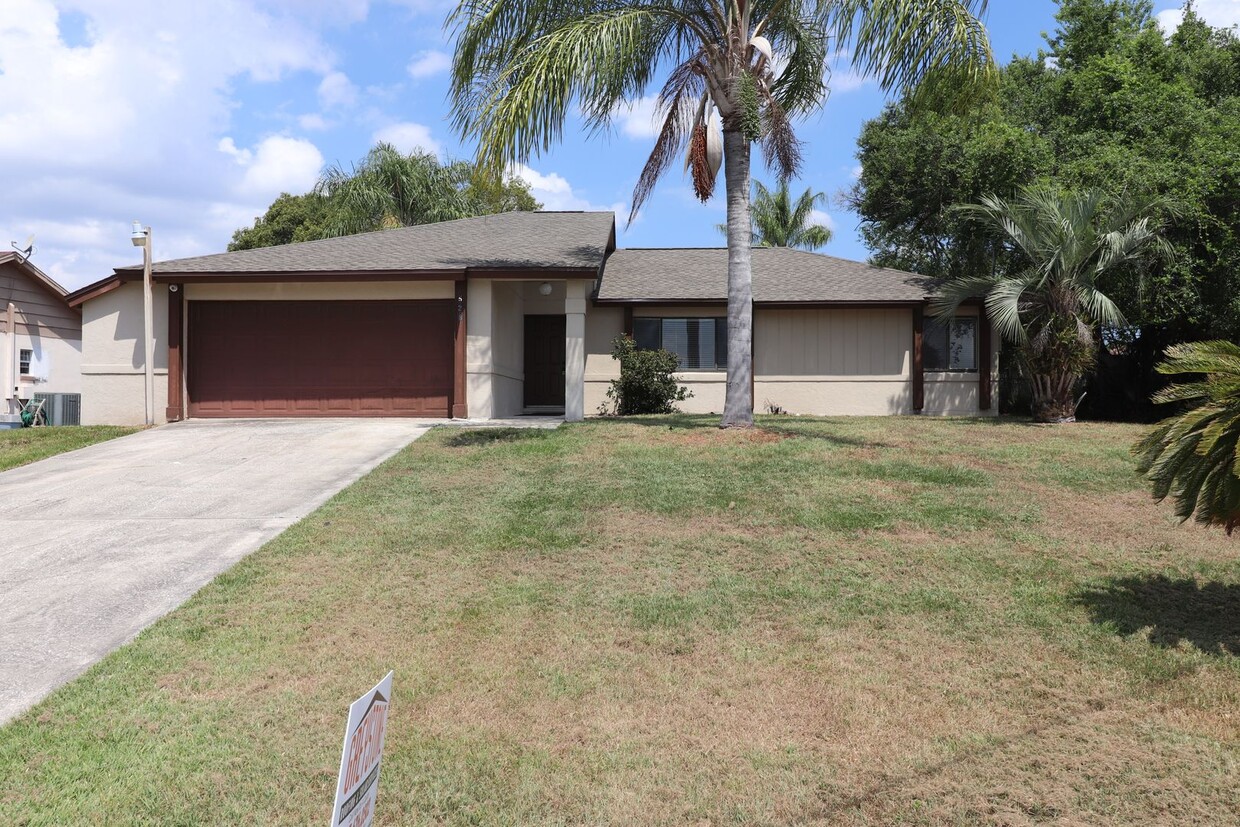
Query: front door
{"x": 544, "y": 362}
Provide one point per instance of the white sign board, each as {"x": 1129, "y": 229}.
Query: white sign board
{"x": 357, "y": 786}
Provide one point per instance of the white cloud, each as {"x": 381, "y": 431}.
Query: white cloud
{"x": 313, "y": 122}
{"x": 336, "y": 90}
{"x": 429, "y": 63}
{"x": 821, "y": 218}
{"x": 639, "y": 118}
{"x": 844, "y": 78}
{"x": 407, "y": 137}
{"x": 131, "y": 124}
{"x": 555, "y": 193}
{"x": 278, "y": 164}
{"x": 1219, "y": 13}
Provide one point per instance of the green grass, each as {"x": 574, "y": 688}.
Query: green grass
{"x": 22, "y": 446}
{"x": 852, "y": 621}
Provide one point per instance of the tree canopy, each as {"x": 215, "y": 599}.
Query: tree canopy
{"x": 1110, "y": 104}
{"x": 385, "y": 189}
{"x": 781, "y": 221}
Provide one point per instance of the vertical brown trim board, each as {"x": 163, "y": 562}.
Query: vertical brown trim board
{"x": 919, "y": 373}
{"x": 983, "y": 358}
{"x": 628, "y": 320}
{"x": 458, "y": 405}
{"x": 176, "y": 354}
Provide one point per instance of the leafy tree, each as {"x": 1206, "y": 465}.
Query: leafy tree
{"x": 1112, "y": 105}
{"x": 1195, "y": 455}
{"x": 522, "y": 67}
{"x": 289, "y": 218}
{"x": 1051, "y": 309}
{"x": 386, "y": 189}
{"x": 779, "y": 222}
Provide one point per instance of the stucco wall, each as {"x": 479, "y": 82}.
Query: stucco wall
{"x": 112, "y": 357}
{"x": 508, "y": 347}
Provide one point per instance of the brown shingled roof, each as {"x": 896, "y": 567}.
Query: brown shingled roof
{"x": 545, "y": 240}
{"x": 780, "y": 275}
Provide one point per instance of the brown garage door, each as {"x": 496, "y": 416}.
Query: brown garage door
{"x": 320, "y": 358}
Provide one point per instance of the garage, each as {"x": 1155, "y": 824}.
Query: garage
{"x": 320, "y": 358}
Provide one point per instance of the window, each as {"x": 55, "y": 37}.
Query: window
{"x": 951, "y": 345}
{"x": 699, "y": 344}
{"x": 24, "y": 358}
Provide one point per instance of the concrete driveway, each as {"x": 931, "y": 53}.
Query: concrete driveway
{"x": 97, "y": 544}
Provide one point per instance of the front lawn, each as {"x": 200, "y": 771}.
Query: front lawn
{"x": 863, "y": 622}
{"x": 21, "y": 446}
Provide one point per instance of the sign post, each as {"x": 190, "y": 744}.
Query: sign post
{"x": 357, "y": 786}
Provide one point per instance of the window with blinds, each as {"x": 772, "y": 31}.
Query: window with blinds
{"x": 699, "y": 344}
{"x": 952, "y": 345}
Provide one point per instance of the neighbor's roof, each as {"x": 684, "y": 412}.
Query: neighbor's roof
{"x": 513, "y": 240}
{"x": 35, "y": 273}
{"x": 780, "y": 275}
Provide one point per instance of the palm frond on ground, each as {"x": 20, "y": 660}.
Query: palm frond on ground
{"x": 1194, "y": 456}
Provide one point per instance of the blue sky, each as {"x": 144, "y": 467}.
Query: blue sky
{"x": 192, "y": 116}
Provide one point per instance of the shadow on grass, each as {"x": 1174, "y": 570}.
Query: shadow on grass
{"x": 1207, "y": 615}
{"x": 490, "y": 436}
{"x": 787, "y": 427}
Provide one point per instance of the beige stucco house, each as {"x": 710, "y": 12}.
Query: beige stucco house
{"x": 40, "y": 336}
{"x": 502, "y": 315}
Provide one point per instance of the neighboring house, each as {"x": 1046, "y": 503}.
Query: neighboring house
{"x": 507, "y": 314}
{"x": 40, "y": 335}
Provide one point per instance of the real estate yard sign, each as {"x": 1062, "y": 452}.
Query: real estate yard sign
{"x": 357, "y": 787}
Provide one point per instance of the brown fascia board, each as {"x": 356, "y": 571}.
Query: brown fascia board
{"x": 126, "y": 274}
{"x": 772, "y": 305}
{"x": 94, "y": 291}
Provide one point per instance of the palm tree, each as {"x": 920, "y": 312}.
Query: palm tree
{"x": 1051, "y": 309}
{"x": 1195, "y": 455}
{"x": 521, "y": 67}
{"x": 778, "y": 222}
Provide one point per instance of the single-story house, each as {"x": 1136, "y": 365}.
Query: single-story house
{"x": 507, "y": 314}
{"x": 40, "y": 335}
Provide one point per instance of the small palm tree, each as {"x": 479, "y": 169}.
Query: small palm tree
{"x": 743, "y": 68}
{"x": 1051, "y": 309}
{"x": 1195, "y": 456}
{"x": 778, "y": 222}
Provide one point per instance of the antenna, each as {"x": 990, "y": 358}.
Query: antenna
{"x": 24, "y": 253}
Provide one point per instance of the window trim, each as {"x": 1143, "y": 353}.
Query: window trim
{"x": 720, "y": 322}
{"x": 25, "y": 358}
{"x": 977, "y": 333}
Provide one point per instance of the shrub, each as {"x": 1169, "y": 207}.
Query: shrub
{"x": 646, "y": 384}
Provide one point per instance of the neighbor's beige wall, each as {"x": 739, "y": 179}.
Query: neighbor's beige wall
{"x": 113, "y": 390}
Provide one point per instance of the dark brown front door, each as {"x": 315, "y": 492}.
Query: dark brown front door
{"x": 544, "y": 361}
{"x": 320, "y": 358}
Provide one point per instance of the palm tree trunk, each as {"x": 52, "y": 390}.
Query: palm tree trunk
{"x": 738, "y": 404}
{"x": 1052, "y": 397}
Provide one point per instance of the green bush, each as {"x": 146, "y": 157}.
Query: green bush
{"x": 646, "y": 384}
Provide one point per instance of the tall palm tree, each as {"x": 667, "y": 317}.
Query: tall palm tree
{"x": 778, "y": 222}
{"x": 391, "y": 189}
{"x": 746, "y": 67}
{"x": 1051, "y": 309}
{"x": 1195, "y": 455}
